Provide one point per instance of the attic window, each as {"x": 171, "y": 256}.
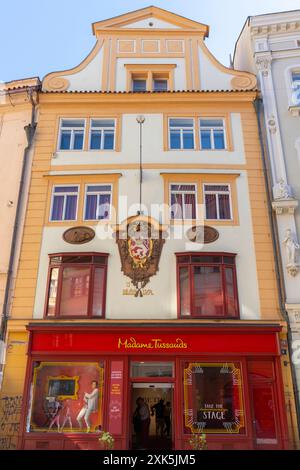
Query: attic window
{"x": 150, "y": 24}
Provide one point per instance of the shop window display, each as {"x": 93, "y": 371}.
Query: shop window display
{"x": 213, "y": 399}
{"x": 66, "y": 397}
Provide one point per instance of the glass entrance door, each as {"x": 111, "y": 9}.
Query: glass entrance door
{"x": 151, "y": 412}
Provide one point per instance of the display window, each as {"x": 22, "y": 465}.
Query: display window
{"x": 66, "y": 397}
{"x": 213, "y": 398}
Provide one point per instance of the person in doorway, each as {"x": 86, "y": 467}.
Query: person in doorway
{"x": 159, "y": 416}
{"x": 144, "y": 422}
{"x": 90, "y": 406}
{"x": 167, "y": 418}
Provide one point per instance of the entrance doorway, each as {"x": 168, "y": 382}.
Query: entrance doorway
{"x": 156, "y": 400}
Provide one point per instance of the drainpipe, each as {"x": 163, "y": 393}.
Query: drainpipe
{"x": 276, "y": 246}
{"x": 30, "y": 131}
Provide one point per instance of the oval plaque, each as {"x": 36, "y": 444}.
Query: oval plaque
{"x": 79, "y": 235}
{"x": 200, "y": 234}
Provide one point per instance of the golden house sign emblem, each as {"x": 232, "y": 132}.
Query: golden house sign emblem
{"x": 140, "y": 244}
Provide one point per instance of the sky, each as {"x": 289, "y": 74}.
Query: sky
{"x": 38, "y": 37}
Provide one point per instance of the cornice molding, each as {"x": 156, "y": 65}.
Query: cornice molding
{"x": 275, "y": 28}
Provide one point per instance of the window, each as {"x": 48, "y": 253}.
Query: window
{"x": 160, "y": 84}
{"x": 296, "y": 87}
{"x": 102, "y": 135}
{"x": 139, "y": 84}
{"x": 98, "y": 202}
{"x": 217, "y": 201}
{"x": 207, "y": 286}
{"x": 64, "y": 203}
{"x": 71, "y": 136}
{"x": 57, "y": 395}
{"x": 76, "y": 285}
{"x": 183, "y": 201}
{"x": 213, "y": 398}
{"x": 181, "y": 133}
{"x": 212, "y": 135}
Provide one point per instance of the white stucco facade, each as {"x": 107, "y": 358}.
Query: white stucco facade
{"x": 269, "y": 47}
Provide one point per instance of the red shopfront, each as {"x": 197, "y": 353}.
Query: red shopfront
{"x": 222, "y": 381}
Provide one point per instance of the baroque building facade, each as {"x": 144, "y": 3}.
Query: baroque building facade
{"x": 147, "y": 270}
{"x": 269, "y": 46}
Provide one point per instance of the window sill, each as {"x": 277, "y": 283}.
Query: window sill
{"x": 294, "y": 110}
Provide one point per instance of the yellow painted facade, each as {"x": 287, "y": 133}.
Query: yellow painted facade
{"x": 53, "y": 106}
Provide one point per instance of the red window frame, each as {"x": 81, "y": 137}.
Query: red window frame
{"x": 56, "y": 261}
{"x": 190, "y": 264}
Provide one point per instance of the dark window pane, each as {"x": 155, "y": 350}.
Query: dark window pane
{"x": 211, "y": 206}
{"x": 175, "y": 140}
{"x": 190, "y": 206}
{"x": 224, "y": 206}
{"x": 103, "y": 123}
{"x": 74, "y": 292}
{"x": 103, "y": 211}
{"x": 57, "y": 208}
{"x": 91, "y": 207}
{"x": 181, "y": 122}
{"x": 188, "y": 140}
{"x": 78, "y": 141}
{"x": 211, "y": 123}
{"x": 205, "y": 140}
{"x": 139, "y": 85}
{"x": 65, "y": 140}
{"x": 98, "y": 292}
{"x": 160, "y": 85}
{"x": 185, "y": 308}
{"x": 77, "y": 259}
{"x": 216, "y": 187}
{"x": 71, "y": 208}
{"x": 65, "y": 189}
{"x": 52, "y": 293}
{"x": 108, "y": 140}
{"x": 230, "y": 297}
{"x": 100, "y": 259}
{"x": 219, "y": 139}
{"x": 176, "y": 206}
{"x": 229, "y": 260}
{"x": 206, "y": 259}
{"x": 183, "y": 259}
{"x": 95, "y": 140}
{"x": 208, "y": 291}
{"x": 72, "y": 123}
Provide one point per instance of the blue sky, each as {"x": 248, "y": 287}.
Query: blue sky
{"x": 39, "y": 37}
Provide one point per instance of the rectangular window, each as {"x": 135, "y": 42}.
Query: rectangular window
{"x": 181, "y": 134}
{"x": 183, "y": 199}
{"x": 296, "y": 88}
{"x": 71, "y": 135}
{"x": 207, "y": 286}
{"x": 212, "y": 134}
{"x": 98, "y": 202}
{"x": 60, "y": 391}
{"x": 217, "y": 201}
{"x": 102, "y": 134}
{"x": 64, "y": 203}
{"x": 160, "y": 84}
{"x": 139, "y": 84}
{"x": 213, "y": 398}
{"x": 76, "y": 286}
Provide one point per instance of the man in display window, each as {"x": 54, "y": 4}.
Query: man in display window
{"x": 90, "y": 406}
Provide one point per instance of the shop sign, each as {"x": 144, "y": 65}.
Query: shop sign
{"x": 153, "y": 343}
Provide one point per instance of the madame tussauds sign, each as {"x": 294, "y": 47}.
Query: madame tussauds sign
{"x": 153, "y": 343}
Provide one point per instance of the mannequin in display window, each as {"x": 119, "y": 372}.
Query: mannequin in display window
{"x": 90, "y": 406}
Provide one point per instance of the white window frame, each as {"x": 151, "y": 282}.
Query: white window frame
{"x": 212, "y": 129}
{"x": 102, "y": 129}
{"x": 183, "y": 192}
{"x": 181, "y": 129}
{"x": 65, "y": 201}
{"x": 72, "y": 129}
{"x": 217, "y": 199}
{"x": 295, "y": 70}
{"x": 98, "y": 195}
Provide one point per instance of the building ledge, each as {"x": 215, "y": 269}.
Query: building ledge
{"x": 285, "y": 206}
{"x": 294, "y": 110}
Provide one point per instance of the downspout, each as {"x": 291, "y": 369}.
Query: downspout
{"x": 276, "y": 246}
{"x": 30, "y": 132}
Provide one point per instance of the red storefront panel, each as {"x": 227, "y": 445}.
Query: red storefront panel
{"x": 155, "y": 342}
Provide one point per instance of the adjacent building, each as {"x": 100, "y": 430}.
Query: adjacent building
{"x": 147, "y": 270}
{"x": 269, "y": 46}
